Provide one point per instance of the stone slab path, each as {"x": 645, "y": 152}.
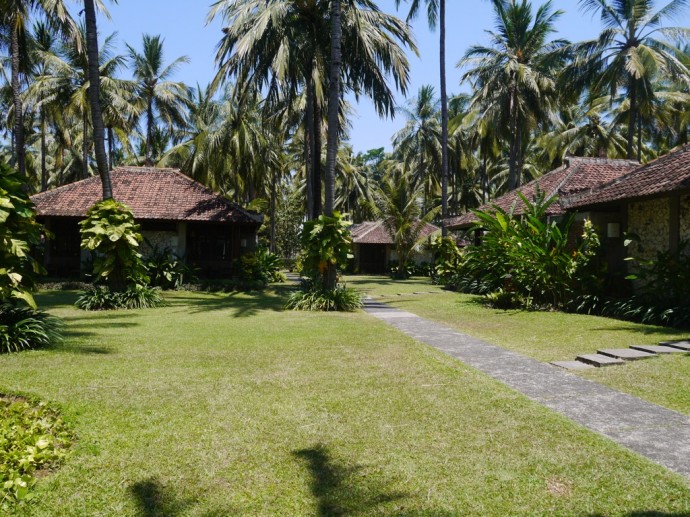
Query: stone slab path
{"x": 658, "y": 433}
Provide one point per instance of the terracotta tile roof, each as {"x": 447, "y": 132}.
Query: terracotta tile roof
{"x": 161, "y": 194}
{"x": 669, "y": 173}
{"x": 576, "y": 175}
{"x": 375, "y": 232}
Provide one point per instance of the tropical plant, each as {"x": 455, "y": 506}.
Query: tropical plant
{"x": 529, "y": 259}
{"x": 261, "y": 266}
{"x": 101, "y": 298}
{"x": 25, "y": 328}
{"x": 397, "y": 200}
{"x": 447, "y": 258}
{"x": 110, "y": 232}
{"x": 20, "y": 235}
{"x": 514, "y": 79}
{"x": 168, "y": 271}
{"x": 326, "y": 244}
{"x": 315, "y": 297}
{"x": 163, "y": 100}
{"x": 627, "y": 55}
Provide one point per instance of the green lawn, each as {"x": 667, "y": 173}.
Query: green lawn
{"x": 549, "y": 336}
{"x": 227, "y": 405}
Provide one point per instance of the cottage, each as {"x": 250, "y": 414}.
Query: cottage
{"x": 174, "y": 211}
{"x": 374, "y": 247}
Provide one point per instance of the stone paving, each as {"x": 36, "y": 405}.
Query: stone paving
{"x": 655, "y": 432}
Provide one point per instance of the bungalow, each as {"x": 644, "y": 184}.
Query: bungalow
{"x": 174, "y": 211}
{"x": 374, "y": 247}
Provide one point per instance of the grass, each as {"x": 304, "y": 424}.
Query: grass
{"x": 550, "y": 336}
{"x": 229, "y": 405}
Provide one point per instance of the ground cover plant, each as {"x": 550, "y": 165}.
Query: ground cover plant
{"x": 33, "y": 437}
{"x": 549, "y": 336}
{"x": 243, "y": 408}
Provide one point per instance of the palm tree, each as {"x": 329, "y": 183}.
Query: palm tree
{"x": 94, "y": 98}
{"x": 333, "y": 111}
{"x": 627, "y": 55}
{"x": 515, "y": 79}
{"x": 436, "y": 11}
{"x": 14, "y": 16}
{"x": 282, "y": 47}
{"x": 419, "y": 142}
{"x": 163, "y": 99}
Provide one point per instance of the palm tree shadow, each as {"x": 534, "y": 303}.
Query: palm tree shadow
{"x": 337, "y": 488}
{"x": 155, "y": 500}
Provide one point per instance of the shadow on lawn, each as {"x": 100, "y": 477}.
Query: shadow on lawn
{"x": 646, "y": 513}
{"x": 338, "y": 488}
{"x": 155, "y": 500}
{"x": 241, "y": 304}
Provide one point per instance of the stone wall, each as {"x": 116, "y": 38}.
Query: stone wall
{"x": 685, "y": 218}
{"x": 650, "y": 220}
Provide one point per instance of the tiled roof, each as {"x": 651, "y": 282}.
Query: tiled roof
{"x": 668, "y": 173}
{"x": 375, "y": 232}
{"x": 576, "y": 175}
{"x": 151, "y": 193}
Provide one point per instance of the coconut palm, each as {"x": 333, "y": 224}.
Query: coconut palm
{"x": 419, "y": 142}
{"x": 627, "y": 54}
{"x": 14, "y": 17}
{"x": 515, "y": 78}
{"x": 436, "y": 13}
{"x": 163, "y": 100}
{"x": 282, "y": 47}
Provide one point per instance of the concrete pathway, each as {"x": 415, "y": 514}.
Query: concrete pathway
{"x": 658, "y": 433}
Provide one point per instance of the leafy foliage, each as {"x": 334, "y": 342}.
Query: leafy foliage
{"x": 447, "y": 258}
{"x": 32, "y": 437}
{"x": 110, "y": 232}
{"x": 168, "y": 271}
{"x": 313, "y": 296}
{"x": 262, "y": 267}
{"x": 528, "y": 256}
{"x": 25, "y": 328}
{"x": 326, "y": 242}
{"x": 100, "y": 298}
{"x": 19, "y": 232}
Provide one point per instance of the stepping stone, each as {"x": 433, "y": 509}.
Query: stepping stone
{"x": 681, "y": 345}
{"x": 626, "y": 354}
{"x": 654, "y": 349}
{"x": 599, "y": 360}
{"x": 572, "y": 365}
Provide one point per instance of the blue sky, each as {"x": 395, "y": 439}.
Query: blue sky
{"x": 184, "y": 26}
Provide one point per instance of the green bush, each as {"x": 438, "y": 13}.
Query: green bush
{"x": 32, "y": 437}
{"x": 100, "y": 298}
{"x": 25, "y": 328}
{"x": 109, "y": 231}
{"x": 529, "y": 256}
{"x": 167, "y": 271}
{"x": 326, "y": 245}
{"x": 447, "y": 259}
{"x": 313, "y": 296}
{"x": 260, "y": 267}
{"x": 19, "y": 233}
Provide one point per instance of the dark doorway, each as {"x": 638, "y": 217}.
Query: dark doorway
{"x": 372, "y": 259}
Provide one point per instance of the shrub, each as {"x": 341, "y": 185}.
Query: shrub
{"x": 313, "y": 296}
{"x": 168, "y": 271}
{"x": 326, "y": 244}
{"x": 447, "y": 258}
{"x": 110, "y": 232}
{"x": 19, "y": 233}
{"x": 260, "y": 267}
{"x": 529, "y": 256}
{"x": 25, "y": 328}
{"x": 100, "y": 298}
{"x": 32, "y": 437}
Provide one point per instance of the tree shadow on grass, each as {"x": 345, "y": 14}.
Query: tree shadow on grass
{"x": 339, "y": 489}
{"x": 156, "y": 500}
{"x": 647, "y": 330}
{"x": 646, "y": 513}
{"x": 241, "y": 304}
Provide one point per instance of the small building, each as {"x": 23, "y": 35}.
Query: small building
{"x": 374, "y": 247}
{"x": 175, "y": 213}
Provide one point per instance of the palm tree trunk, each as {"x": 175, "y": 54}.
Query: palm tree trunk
{"x": 111, "y": 148}
{"x": 44, "y": 171}
{"x": 444, "y": 119}
{"x": 272, "y": 244}
{"x": 333, "y": 122}
{"x": 639, "y": 137}
{"x": 94, "y": 98}
{"x": 512, "y": 159}
{"x": 309, "y": 149}
{"x": 631, "y": 119}
{"x": 149, "y": 134}
{"x": 19, "y": 145}
{"x": 85, "y": 146}
{"x": 317, "y": 171}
